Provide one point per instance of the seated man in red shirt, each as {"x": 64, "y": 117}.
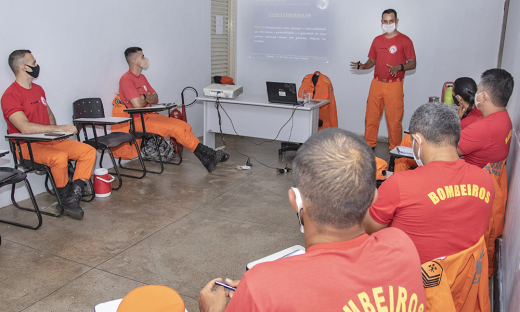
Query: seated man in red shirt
{"x": 444, "y": 205}
{"x": 488, "y": 140}
{"x": 135, "y": 91}
{"x": 343, "y": 269}
{"x": 26, "y": 111}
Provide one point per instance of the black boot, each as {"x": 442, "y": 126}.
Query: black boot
{"x": 71, "y": 201}
{"x": 63, "y": 191}
{"x": 225, "y": 156}
{"x": 208, "y": 156}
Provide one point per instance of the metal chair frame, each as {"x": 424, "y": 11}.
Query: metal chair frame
{"x": 100, "y": 113}
{"x": 22, "y": 176}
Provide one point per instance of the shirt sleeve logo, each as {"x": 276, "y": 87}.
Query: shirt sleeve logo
{"x": 145, "y": 89}
{"x": 431, "y": 274}
{"x": 392, "y": 49}
{"x": 43, "y": 101}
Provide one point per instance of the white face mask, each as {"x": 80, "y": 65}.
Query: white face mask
{"x": 418, "y": 158}
{"x": 477, "y": 103}
{"x": 145, "y": 63}
{"x": 388, "y": 28}
{"x": 299, "y": 205}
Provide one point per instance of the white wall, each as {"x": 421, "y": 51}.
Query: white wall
{"x": 451, "y": 39}
{"x": 79, "y": 46}
{"x": 511, "y": 238}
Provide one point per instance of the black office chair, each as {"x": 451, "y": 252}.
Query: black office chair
{"x": 93, "y": 108}
{"x": 10, "y": 176}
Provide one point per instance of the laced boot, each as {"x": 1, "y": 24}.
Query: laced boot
{"x": 71, "y": 201}
{"x": 208, "y": 156}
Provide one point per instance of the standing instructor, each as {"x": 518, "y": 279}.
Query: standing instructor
{"x": 392, "y": 53}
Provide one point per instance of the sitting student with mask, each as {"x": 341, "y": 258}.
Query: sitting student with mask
{"x": 135, "y": 91}
{"x": 443, "y": 205}
{"x": 488, "y": 140}
{"x": 26, "y": 111}
{"x": 343, "y": 269}
{"x": 464, "y": 90}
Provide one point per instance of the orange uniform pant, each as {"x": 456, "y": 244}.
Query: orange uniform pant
{"x": 403, "y": 164}
{"x": 56, "y": 156}
{"x": 169, "y": 127}
{"x": 387, "y": 96}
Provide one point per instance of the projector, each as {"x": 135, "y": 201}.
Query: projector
{"x": 223, "y": 91}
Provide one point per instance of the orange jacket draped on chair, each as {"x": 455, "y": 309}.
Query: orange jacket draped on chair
{"x": 323, "y": 90}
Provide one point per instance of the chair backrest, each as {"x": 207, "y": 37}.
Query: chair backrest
{"x": 88, "y": 108}
{"x": 458, "y": 282}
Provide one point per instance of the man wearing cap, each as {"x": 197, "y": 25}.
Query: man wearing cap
{"x": 135, "y": 91}
{"x": 392, "y": 54}
{"x": 343, "y": 269}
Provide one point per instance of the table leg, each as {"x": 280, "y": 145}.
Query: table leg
{"x": 208, "y": 136}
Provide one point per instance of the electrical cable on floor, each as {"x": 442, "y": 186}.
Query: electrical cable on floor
{"x": 279, "y": 170}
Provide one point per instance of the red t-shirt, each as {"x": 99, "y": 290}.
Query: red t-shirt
{"x": 444, "y": 206}
{"x": 487, "y": 140}
{"x": 31, "y": 102}
{"x": 472, "y": 116}
{"x": 360, "y": 274}
{"x": 132, "y": 86}
{"x": 393, "y": 51}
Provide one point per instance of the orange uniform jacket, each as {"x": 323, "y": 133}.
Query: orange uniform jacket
{"x": 458, "y": 282}
{"x": 322, "y": 91}
{"x": 496, "y": 223}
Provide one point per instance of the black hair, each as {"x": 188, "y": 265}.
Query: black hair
{"x": 16, "y": 58}
{"x": 335, "y": 172}
{"x": 129, "y": 53}
{"x": 438, "y": 123}
{"x": 466, "y": 88}
{"x": 499, "y": 84}
{"x": 389, "y": 11}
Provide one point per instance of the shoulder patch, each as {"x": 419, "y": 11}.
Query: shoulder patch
{"x": 431, "y": 274}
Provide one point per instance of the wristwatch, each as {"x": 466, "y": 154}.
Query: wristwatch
{"x": 402, "y": 67}
{"x": 144, "y": 95}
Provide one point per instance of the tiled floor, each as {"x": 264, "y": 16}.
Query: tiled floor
{"x": 181, "y": 229}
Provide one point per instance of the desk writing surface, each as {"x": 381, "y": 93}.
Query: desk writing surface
{"x": 153, "y": 108}
{"x": 261, "y": 100}
{"x": 39, "y": 136}
{"x": 103, "y": 121}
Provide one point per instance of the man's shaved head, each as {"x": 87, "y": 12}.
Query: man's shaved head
{"x": 335, "y": 172}
{"x": 132, "y": 53}
{"x": 17, "y": 58}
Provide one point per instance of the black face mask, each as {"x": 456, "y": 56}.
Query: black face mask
{"x": 455, "y": 100}
{"x": 35, "y": 71}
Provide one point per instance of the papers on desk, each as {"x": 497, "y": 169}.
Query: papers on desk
{"x": 288, "y": 252}
{"x": 405, "y": 151}
{"x": 43, "y": 136}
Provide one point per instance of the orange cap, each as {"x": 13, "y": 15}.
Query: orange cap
{"x": 152, "y": 298}
{"x": 226, "y": 80}
{"x": 380, "y": 169}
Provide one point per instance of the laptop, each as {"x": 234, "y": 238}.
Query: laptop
{"x": 282, "y": 92}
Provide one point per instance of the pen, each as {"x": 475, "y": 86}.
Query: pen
{"x": 225, "y": 285}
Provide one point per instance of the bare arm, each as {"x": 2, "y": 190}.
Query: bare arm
{"x": 52, "y": 120}
{"x": 372, "y": 226}
{"x": 142, "y": 102}
{"x": 410, "y": 64}
{"x": 20, "y": 121}
{"x": 369, "y": 64}
{"x": 152, "y": 98}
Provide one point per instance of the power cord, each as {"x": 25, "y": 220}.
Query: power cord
{"x": 248, "y": 162}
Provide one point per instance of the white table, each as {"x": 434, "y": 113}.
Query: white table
{"x": 254, "y": 116}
